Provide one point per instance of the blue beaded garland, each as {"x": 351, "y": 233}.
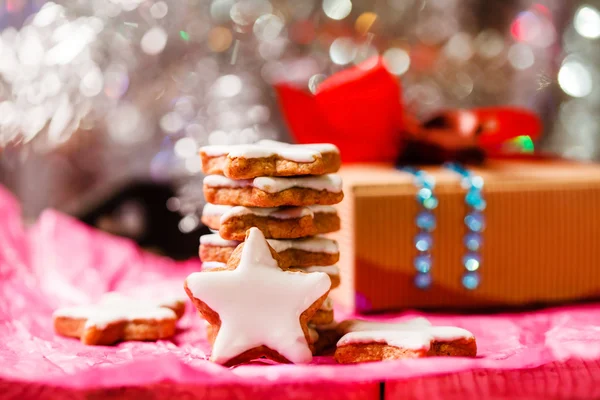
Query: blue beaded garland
{"x": 474, "y": 222}
{"x": 425, "y": 222}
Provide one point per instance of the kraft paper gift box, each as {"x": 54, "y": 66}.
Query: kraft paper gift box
{"x": 541, "y": 243}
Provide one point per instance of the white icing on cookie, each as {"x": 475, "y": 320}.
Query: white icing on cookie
{"x": 303, "y": 153}
{"x": 215, "y": 209}
{"x": 214, "y": 239}
{"x": 222, "y": 181}
{"x": 259, "y": 303}
{"x": 297, "y": 154}
{"x": 216, "y": 150}
{"x": 320, "y": 147}
{"x": 271, "y": 212}
{"x": 329, "y": 269}
{"x": 172, "y": 301}
{"x": 227, "y": 212}
{"x": 415, "y": 339}
{"x": 212, "y": 264}
{"x": 114, "y": 307}
{"x": 330, "y": 183}
{"x": 323, "y": 209}
{"x": 315, "y": 244}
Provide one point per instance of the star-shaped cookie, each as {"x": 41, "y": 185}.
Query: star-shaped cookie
{"x": 118, "y": 318}
{"x": 259, "y": 309}
{"x": 365, "y": 341}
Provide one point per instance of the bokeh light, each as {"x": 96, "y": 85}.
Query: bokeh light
{"x": 159, "y": 10}
{"x": 587, "y": 22}
{"x": 185, "y": 147}
{"x": 460, "y": 47}
{"x": 154, "y": 41}
{"x": 364, "y": 22}
{"x": 219, "y": 39}
{"x": 342, "y": 51}
{"x": 520, "y": 56}
{"x": 574, "y": 78}
{"x": 489, "y": 43}
{"x": 396, "y": 60}
{"x": 337, "y": 9}
{"x": 268, "y": 27}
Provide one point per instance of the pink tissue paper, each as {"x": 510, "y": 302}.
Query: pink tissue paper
{"x": 551, "y": 353}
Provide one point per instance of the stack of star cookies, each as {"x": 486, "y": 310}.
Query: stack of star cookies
{"x": 286, "y": 191}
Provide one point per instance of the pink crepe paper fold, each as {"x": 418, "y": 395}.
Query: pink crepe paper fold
{"x": 59, "y": 261}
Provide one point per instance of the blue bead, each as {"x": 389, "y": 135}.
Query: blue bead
{"x": 423, "y": 281}
{"x": 425, "y": 221}
{"x": 472, "y": 261}
{"x": 424, "y": 194}
{"x": 475, "y": 221}
{"x": 423, "y": 241}
{"x": 477, "y": 182}
{"x": 423, "y": 263}
{"x": 430, "y": 203}
{"x": 471, "y": 280}
{"x": 473, "y": 241}
{"x": 465, "y": 183}
{"x": 481, "y": 206}
{"x": 428, "y": 181}
{"x": 473, "y": 198}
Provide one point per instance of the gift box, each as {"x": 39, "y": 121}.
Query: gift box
{"x": 539, "y": 245}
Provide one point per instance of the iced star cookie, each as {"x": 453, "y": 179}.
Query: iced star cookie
{"x": 298, "y": 252}
{"x": 397, "y": 342}
{"x": 330, "y": 333}
{"x": 117, "y": 318}
{"x": 275, "y": 223}
{"x": 257, "y": 308}
{"x": 270, "y": 158}
{"x": 267, "y": 191}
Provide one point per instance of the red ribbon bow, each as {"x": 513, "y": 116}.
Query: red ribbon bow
{"x": 360, "y": 110}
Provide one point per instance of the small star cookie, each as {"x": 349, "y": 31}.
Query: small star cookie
{"x": 368, "y": 341}
{"x": 270, "y": 158}
{"x": 117, "y": 318}
{"x": 257, "y": 308}
{"x": 275, "y": 223}
{"x": 272, "y": 192}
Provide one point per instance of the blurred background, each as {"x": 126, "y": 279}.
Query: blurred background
{"x": 104, "y": 103}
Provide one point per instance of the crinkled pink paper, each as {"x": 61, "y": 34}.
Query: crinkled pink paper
{"x": 59, "y": 261}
